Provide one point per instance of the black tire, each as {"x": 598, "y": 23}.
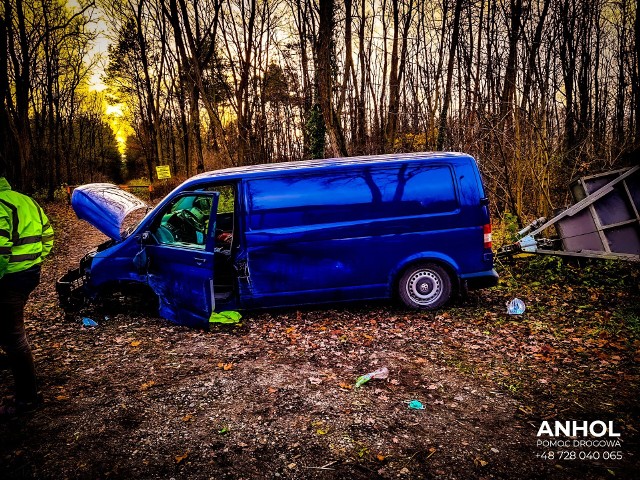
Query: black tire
{"x": 425, "y": 286}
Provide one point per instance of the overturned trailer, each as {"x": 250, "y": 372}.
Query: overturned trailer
{"x": 603, "y": 222}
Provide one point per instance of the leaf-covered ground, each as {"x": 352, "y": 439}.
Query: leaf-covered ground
{"x": 137, "y": 397}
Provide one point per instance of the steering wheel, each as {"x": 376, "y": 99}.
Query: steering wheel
{"x": 190, "y": 219}
{"x": 185, "y": 226}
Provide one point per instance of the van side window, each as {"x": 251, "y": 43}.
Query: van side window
{"x": 226, "y": 202}
{"x": 361, "y": 194}
{"x": 224, "y": 215}
{"x": 185, "y": 221}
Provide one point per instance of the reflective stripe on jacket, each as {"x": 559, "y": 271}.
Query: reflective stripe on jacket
{"x": 26, "y": 235}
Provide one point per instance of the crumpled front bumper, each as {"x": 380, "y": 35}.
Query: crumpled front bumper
{"x": 72, "y": 286}
{"x": 70, "y": 290}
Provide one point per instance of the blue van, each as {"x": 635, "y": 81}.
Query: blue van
{"x": 412, "y": 226}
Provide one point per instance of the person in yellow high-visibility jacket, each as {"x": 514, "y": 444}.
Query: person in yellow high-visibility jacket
{"x": 26, "y": 237}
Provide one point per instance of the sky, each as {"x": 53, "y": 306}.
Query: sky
{"x": 98, "y": 55}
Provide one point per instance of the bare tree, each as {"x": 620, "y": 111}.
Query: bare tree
{"x": 324, "y": 78}
{"x": 442, "y": 130}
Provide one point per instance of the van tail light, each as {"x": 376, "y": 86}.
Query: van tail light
{"x": 487, "y": 236}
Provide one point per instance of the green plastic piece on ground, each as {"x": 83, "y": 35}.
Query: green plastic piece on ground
{"x": 362, "y": 379}
{"x": 381, "y": 374}
{"x": 416, "y": 405}
{"x": 225, "y": 317}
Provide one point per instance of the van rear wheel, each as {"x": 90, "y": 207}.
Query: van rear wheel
{"x": 425, "y": 286}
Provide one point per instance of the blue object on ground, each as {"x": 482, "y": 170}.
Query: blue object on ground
{"x": 87, "y": 322}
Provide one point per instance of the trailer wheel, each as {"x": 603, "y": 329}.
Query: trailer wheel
{"x": 425, "y": 286}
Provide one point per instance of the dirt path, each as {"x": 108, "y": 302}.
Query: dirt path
{"x": 138, "y": 397}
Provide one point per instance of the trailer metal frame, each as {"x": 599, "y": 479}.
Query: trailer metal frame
{"x": 604, "y": 222}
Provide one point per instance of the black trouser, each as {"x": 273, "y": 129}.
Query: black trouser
{"x": 14, "y": 292}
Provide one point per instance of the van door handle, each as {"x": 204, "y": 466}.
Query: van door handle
{"x": 200, "y": 260}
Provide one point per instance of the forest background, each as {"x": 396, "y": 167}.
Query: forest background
{"x": 539, "y": 91}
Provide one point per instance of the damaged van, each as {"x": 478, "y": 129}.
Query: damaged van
{"x": 411, "y": 226}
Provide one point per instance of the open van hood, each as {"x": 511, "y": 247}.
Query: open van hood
{"x": 105, "y": 206}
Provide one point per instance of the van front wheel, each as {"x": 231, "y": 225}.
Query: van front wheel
{"x": 426, "y": 286}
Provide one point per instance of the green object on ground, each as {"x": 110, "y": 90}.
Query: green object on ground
{"x": 362, "y": 379}
{"x": 381, "y": 373}
{"x": 225, "y": 317}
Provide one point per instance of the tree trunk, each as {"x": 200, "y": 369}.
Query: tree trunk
{"x": 324, "y": 53}
{"x": 635, "y": 84}
{"x": 442, "y": 130}
{"x": 533, "y": 54}
{"x": 509, "y": 87}
{"x": 150, "y": 103}
{"x": 397, "y": 70}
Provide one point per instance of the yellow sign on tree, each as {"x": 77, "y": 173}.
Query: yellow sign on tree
{"x": 163, "y": 172}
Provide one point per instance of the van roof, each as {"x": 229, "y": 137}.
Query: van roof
{"x": 257, "y": 170}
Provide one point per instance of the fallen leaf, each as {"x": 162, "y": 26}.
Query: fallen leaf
{"x": 136, "y": 343}
{"x": 380, "y": 457}
{"x": 181, "y": 458}
{"x": 272, "y": 390}
{"x": 187, "y": 417}
{"x": 527, "y": 410}
{"x": 147, "y": 385}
